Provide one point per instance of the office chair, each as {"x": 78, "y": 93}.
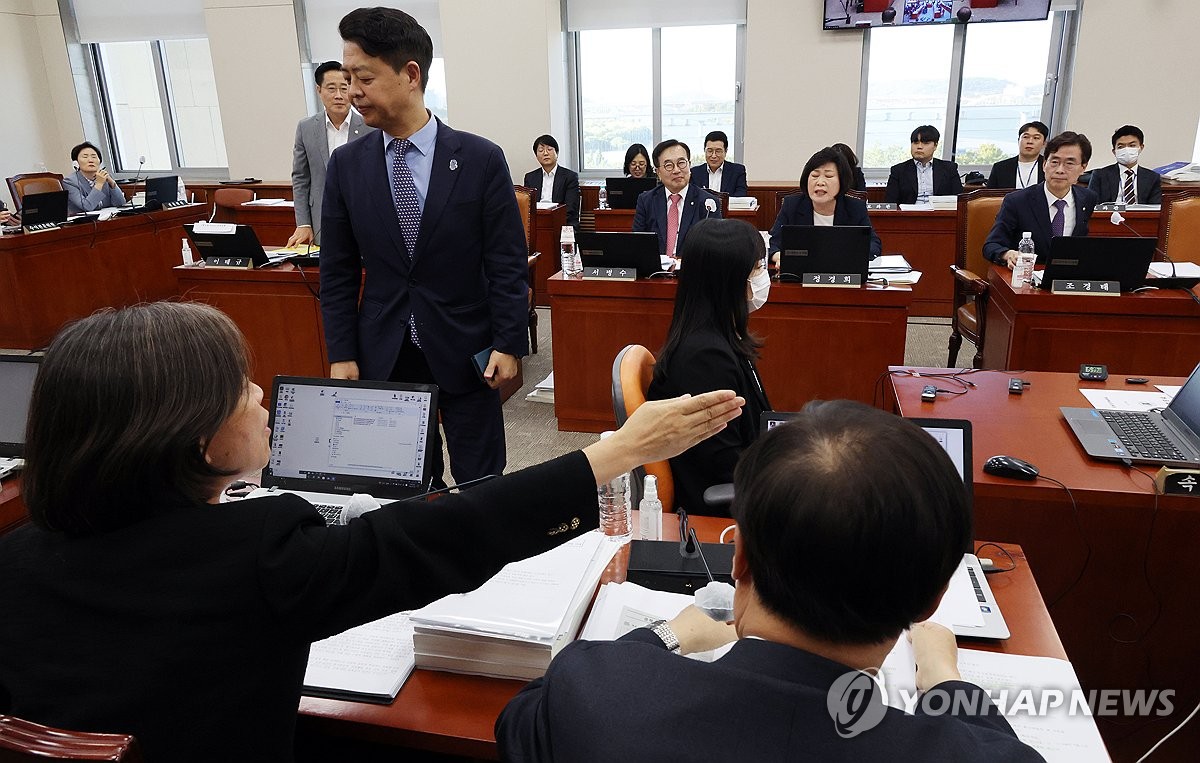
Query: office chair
{"x": 632, "y": 371}
{"x": 32, "y": 182}
{"x": 24, "y": 742}
{"x": 977, "y": 212}
{"x": 527, "y": 204}
{"x": 226, "y": 201}
{"x": 1179, "y": 224}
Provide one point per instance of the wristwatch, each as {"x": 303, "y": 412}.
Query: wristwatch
{"x": 661, "y": 629}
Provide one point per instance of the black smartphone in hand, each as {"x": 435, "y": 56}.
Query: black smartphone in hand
{"x": 481, "y": 360}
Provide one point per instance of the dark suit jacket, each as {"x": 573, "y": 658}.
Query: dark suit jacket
{"x": 1106, "y": 184}
{"x": 733, "y": 178}
{"x": 466, "y": 284}
{"x": 860, "y": 180}
{"x": 310, "y": 154}
{"x": 902, "y": 182}
{"x": 190, "y": 629}
{"x": 1004, "y": 173}
{"x": 797, "y": 209}
{"x": 1027, "y": 210}
{"x": 631, "y": 700}
{"x": 704, "y": 362}
{"x": 651, "y": 212}
{"x": 566, "y": 190}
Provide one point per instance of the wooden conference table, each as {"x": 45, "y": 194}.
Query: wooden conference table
{"x": 818, "y": 342}
{"x": 1154, "y": 332}
{"x": 454, "y": 714}
{"x": 1120, "y": 576}
{"x": 51, "y": 278}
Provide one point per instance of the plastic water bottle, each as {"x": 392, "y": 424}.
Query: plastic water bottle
{"x": 188, "y": 259}
{"x": 616, "y": 515}
{"x": 1026, "y": 257}
{"x": 603, "y": 196}
{"x": 650, "y": 511}
{"x": 572, "y": 264}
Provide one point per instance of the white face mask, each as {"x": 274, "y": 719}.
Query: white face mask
{"x": 760, "y": 286}
{"x": 1127, "y": 156}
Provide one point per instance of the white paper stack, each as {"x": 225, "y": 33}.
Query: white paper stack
{"x": 943, "y": 202}
{"x": 623, "y": 607}
{"x": 543, "y": 391}
{"x": 368, "y": 663}
{"x": 514, "y": 624}
{"x": 897, "y": 270}
{"x": 743, "y": 202}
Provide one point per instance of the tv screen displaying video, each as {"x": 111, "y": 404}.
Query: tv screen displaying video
{"x": 861, "y": 14}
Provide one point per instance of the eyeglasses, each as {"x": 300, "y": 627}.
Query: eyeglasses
{"x": 670, "y": 166}
{"x": 639, "y": 163}
{"x": 1069, "y": 164}
{"x": 714, "y": 151}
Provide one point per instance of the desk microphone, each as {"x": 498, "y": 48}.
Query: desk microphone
{"x": 1116, "y": 218}
{"x": 141, "y": 162}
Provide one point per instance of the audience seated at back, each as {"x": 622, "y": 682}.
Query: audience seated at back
{"x": 860, "y": 180}
{"x": 1019, "y": 171}
{"x": 553, "y": 181}
{"x": 1126, "y": 181}
{"x": 637, "y": 162}
{"x": 915, "y": 181}
{"x": 823, "y": 201}
{"x": 716, "y": 173}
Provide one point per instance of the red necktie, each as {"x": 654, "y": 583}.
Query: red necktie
{"x": 672, "y": 223}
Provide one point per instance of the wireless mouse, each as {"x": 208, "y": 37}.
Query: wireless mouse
{"x": 1011, "y": 467}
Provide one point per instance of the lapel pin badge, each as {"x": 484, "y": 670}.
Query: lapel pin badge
{"x": 453, "y": 165}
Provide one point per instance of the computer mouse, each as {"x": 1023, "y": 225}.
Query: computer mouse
{"x": 1011, "y": 467}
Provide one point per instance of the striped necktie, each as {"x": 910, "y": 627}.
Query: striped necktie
{"x": 1127, "y": 193}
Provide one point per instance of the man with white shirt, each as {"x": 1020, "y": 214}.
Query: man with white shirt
{"x": 1024, "y": 169}
{"x": 913, "y": 182}
{"x": 1049, "y": 209}
{"x": 557, "y": 184}
{"x": 1125, "y": 181}
{"x": 673, "y": 207}
{"x": 716, "y": 174}
{"x": 316, "y": 138}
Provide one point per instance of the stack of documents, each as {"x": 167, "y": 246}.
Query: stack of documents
{"x": 743, "y": 202}
{"x": 366, "y": 664}
{"x": 895, "y": 269}
{"x": 543, "y": 391}
{"x": 514, "y": 624}
{"x": 269, "y": 203}
{"x": 943, "y": 202}
{"x": 623, "y": 607}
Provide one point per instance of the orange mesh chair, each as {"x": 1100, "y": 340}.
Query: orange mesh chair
{"x": 632, "y": 371}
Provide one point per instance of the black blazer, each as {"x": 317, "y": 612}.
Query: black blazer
{"x": 704, "y": 362}
{"x": 1106, "y": 184}
{"x": 632, "y": 700}
{"x": 467, "y": 283}
{"x": 1004, "y": 173}
{"x": 1027, "y": 210}
{"x": 733, "y": 178}
{"x": 902, "y": 182}
{"x": 860, "y": 180}
{"x": 797, "y": 209}
{"x": 651, "y": 212}
{"x": 566, "y": 190}
{"x": 190, "y": 629}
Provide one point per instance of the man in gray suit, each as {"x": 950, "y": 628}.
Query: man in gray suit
{"x": 316, "y": 138}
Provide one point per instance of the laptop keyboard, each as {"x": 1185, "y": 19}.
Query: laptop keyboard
{"x": 331, "y": 513}
{"x": 1141, "y": 435}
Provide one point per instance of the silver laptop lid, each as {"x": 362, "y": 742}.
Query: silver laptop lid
{"x": 1183, "y": 413}
{"x": 17, "y": 374}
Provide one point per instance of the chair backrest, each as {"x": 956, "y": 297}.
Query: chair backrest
{"x": 781, "y": 195}
{"x": 632, "y": 371}
{"x": 526, "y": 203}
{"x": 24, "y": 741}
{"x": 226, "y": 200}
{"x": 977, "y": 212}
{"x": 1179, "y": 225}
{"x": 32, "y": 182}
{"x": 857, "y": 194}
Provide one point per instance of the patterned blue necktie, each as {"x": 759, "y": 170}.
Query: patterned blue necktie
{"x": 408, "y": 211}
{"x": 1059, "y": 221}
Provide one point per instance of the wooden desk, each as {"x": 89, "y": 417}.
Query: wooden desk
{"x": 547, "y": 232}
{"x": 455, "y": 714}
{"x": 825, "y": 343}
{"x": 1146, "y": 333}
{"x": 12, "y": 508}
{"x": 48, "y": 279}
{"x": 273, "y": 225}
{"x": 1126, "y": 613}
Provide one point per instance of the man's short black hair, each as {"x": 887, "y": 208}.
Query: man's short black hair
{"x": 545, "y": 140}
{"x": 1124, "y": 130}
{"x": 717, "y": 135}
{"x": 390, "y": 34}
{"x": 1069, "y": 138}
{"x": 820, "y": 500}
{"x": 926, "y": 133}
{"x": 669, "y": 143}
{"x": 1036, "y": 125}
{"x": 76, "y": 151}
{"x": 325, "y": 68}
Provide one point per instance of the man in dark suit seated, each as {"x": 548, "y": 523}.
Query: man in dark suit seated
{"x": 1052, "y": 208}
{"x": 1125, "y": 181}
{"x": 716, "y": 174}
{"x": 430, "y": 215}
{"x": 670, "y": 209}
{"x": 915, "y": 181}
{"x": 818, "y": 501}
{"x": 1019, "y": 171}
{"x": 556, "y": 183}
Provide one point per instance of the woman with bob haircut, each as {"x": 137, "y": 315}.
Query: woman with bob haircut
{"x": 637, "y": 162}
{"x": 710, "y": 347}
{"x": 823, "y": 201}
{"x": 137, "y": 602}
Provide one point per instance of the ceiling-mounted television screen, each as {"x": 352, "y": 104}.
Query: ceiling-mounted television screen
{"x": 860, "y": 14}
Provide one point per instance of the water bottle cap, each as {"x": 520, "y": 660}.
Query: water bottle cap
{"x": 650, "y": 490}
{"x": 1026, "y": 234}
{"x": 603, "y": 435}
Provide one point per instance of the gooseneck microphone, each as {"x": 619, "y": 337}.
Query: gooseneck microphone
{"x": 141, "y": 163}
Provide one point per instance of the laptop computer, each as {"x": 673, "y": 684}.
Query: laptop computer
{"x": 1169, "y": 438}
{"x": 620, "y": 250}
{"x": 331, "y": 438}
{"x": 1094, "y": 258}
{"x": 17, "y": 374}
{"x": 161, "y": 191}
{"x": 824, "y": 249}
{"x": 41, "y": 211}
{"x": 241, "y": 243}
{"x": 623, "y": 192}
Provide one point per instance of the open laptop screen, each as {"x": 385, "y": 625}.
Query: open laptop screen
{"x": 1186, "y": 403}
{"x": 17, "y": 374}
{"x": 337, "y": 436}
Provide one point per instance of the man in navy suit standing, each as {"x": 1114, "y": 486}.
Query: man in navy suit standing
{"x": 676, "y": 205}
{"x": 1051, "y": 208}
{"x": 716, "y": 174}
{"x": 426, "y": 219}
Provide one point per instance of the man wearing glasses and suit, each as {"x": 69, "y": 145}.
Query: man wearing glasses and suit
{"x": 673, "y": 207}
